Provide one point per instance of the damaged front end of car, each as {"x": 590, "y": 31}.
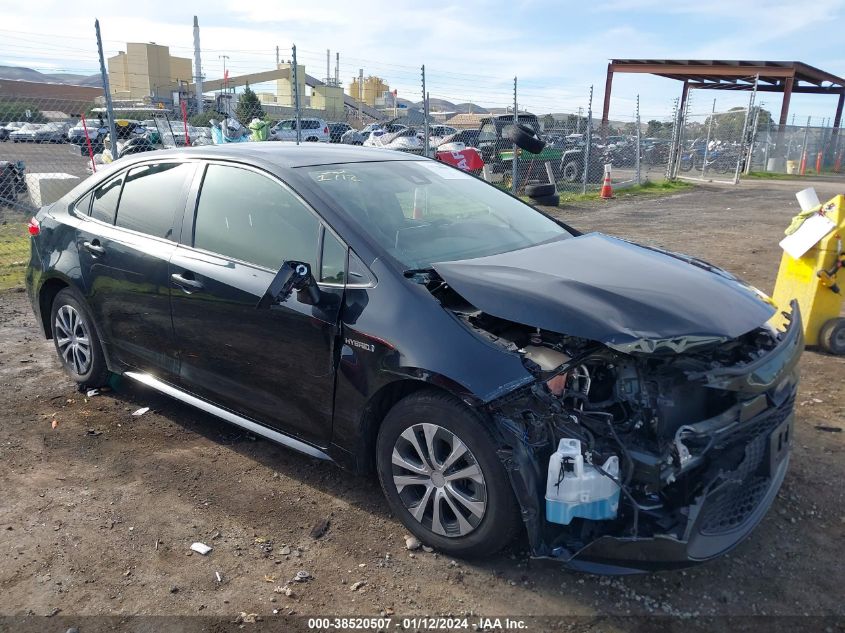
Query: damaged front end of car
{"x": 641, "y": 461}
{"x": 644, "y": 454}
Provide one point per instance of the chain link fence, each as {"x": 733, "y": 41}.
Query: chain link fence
{"x": 794, "y": 149}
{"x": 559, "y": 147}
{"x": 713, "y": 145}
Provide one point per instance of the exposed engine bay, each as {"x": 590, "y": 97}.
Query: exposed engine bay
{"x": 631, "y": 445}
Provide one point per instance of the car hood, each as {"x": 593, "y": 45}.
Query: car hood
{"x": 629, "y": 297}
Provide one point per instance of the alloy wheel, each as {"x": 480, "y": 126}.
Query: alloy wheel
{"x": 439, "y": 480}
{"x": 73, "y": 340}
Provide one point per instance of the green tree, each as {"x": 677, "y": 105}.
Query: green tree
{"x": 16, "y": 111}
{"x": 629, "y": 128}
{"x": 658, "y": 129}
{"x": 249, "y": 106}
{"x": 201, "y": 119}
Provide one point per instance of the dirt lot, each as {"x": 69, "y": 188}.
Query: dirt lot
{"x": 97, "y": 514}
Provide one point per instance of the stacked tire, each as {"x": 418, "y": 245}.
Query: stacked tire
{"x": 542, "y": 193}
{"x": 524, "y": 137}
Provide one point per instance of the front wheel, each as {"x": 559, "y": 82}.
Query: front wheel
{"x": 438, "y": 468}
{"x": 76, "y": 340}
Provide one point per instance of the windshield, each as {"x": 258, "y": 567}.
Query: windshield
{"x": 423, "y": 212}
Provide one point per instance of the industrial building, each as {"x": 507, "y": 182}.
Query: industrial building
{"x": 373, "y": 90}
{"x": 147, "y": 70}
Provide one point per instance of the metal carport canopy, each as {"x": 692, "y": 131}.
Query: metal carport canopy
{"x": 785, "y": 77}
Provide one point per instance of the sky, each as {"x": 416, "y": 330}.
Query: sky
{"x": 472, "y": 49}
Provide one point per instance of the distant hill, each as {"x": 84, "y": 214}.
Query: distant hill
{"x": 21, "y": 73}
{"x": 442, "y": 105}
{"x": 466, "y": 108}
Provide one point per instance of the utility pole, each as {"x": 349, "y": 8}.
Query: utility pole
{"x": 361, "y": 94}
{"x": 197, "y": 66}
{"x": 337, "y": 69}
{"x": 589, "y": 142}
{"x": 277, "y": 57}
{"x": 225, "y": 75}
{"x": 514, "y": 161}
{"x": 639, "y": 143}
{"x": 425, "y": 112}
{"x": 296, "y": 97}
{"x": 106, "y": 90}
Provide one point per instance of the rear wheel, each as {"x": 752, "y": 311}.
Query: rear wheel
{"x": 76, "y": 340}
{"x": 441, "y": 476}
{"x": 832, "y": 336}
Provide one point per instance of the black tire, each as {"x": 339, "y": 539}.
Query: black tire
{"x": 500, "y": 519}
{"x": 571, "y": 171}
{"x": 312, "y": 139}
{"x": 96, "y": 374}
{"x": 547, "y": 201}
{"x": 539, "y": 191}
{"x": 832, "y": 336}
{"x": 523, "y": 136}
{"x": 685, "y": 165}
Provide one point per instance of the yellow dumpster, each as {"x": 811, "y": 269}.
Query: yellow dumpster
{"x": 816, "y": 278}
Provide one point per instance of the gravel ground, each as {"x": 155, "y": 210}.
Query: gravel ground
{"x": 98, "y": 508}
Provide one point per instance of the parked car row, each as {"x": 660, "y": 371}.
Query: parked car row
{"x": 34, "y": 132}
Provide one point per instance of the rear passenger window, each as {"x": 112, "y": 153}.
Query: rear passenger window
{"x": 151, "y": 197}
{"x": 83, "y": 205}
{"x": 244, "y": 215}
{"x": 105, "y": 200}
{"x": 333, "y": 269}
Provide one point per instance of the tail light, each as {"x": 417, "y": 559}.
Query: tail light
{"x": 33, "y": 227}
{"x": 326, "y": 130}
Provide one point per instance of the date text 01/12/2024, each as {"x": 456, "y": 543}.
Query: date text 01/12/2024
{"x": 417, "y": 623}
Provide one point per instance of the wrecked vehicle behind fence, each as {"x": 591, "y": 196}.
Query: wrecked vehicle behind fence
{"x": 633, "y": 407}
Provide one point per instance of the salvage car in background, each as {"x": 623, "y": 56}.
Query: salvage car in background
{"x": 396, "y": 137}
{"x": 76, "y": 134}
{"x": 40, "y": 133}
{"x": 459, "y": 140}
{"x": 337, "y": 130}
{"x": 311, "y": 130}
{"x": 632, "y": 406}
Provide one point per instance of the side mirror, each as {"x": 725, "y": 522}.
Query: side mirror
{"x": 291, "y": 276}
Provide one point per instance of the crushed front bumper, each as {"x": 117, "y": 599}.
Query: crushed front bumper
{"x": 736, "y": 494}
{"x": 717, "y": 522}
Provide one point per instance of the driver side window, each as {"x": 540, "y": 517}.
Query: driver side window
{"x": 248, "y": 216}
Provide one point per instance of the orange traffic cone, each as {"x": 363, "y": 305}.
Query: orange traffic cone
{"x": 606, "y": 188}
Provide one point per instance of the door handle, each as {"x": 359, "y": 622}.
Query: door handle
{"x": 185, "y": 283}
{"x": 94, "y": 247}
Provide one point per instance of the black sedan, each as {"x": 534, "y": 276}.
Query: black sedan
{"x": 627, "y": 407}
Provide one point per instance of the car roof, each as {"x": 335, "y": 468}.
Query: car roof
{"x": 281, "y": 154}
